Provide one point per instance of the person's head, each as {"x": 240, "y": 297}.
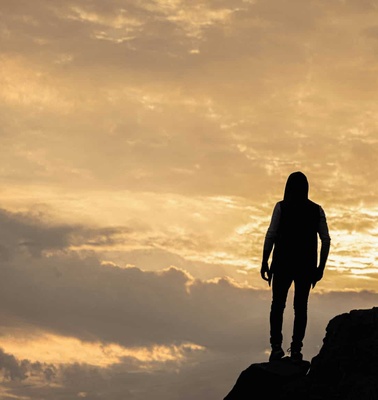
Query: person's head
{"x": 296, "y": 188}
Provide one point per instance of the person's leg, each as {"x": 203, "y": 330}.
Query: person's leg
{"x": 302, "y": 288}
{"x": 280, "y": 287}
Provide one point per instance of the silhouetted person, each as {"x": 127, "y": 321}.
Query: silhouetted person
{"x": 293, "y": 236}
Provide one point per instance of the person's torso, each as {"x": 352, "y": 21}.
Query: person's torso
{"x": 297, "y": 241}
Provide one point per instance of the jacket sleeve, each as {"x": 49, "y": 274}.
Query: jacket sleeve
{"x": 325, "y": 239}
{"x": 271, "y": 234}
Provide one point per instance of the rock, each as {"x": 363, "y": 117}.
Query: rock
{"x": 266, "y": 380}
{"x": 346, "y": 367}
{"x": 347, "y": 364}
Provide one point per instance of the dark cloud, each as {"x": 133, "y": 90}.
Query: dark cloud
{"x": 77, "y": 296}
{"x": 13, "y": 369}
{"x": 209, "y": 374}
{"x": 22, "y": 231}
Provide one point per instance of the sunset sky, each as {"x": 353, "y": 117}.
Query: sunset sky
{"x": 143, "y": 146}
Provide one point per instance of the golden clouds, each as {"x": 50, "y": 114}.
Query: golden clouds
{"x": 56, "y": 350}
{"x": 195, "y": 19}
{"x": 254, "y": 103}
{"x": 116, "y": 27}
{"x": 28, "y": 85}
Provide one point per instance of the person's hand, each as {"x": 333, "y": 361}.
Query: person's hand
{"x": 265, "y": 272}
{"x": 317, "y": 276}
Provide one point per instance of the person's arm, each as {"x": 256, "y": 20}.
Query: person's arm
{"x": 270, "y": 238}
{"x": 325, "y": 246}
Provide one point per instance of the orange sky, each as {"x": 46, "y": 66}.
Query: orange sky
{"x": 142, "y": 135}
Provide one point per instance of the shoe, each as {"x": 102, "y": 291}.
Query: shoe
{"x": 295, "y": 354}
{"x": 277, "y": 353}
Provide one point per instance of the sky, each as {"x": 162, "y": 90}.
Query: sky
{"x": 143, "y": 146}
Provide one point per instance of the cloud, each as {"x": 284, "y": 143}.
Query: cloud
{"x": 77, "y": 295}
{"x": 81, "y": 298}
{"x": 200, "y": 99}
{"x": 27, "y": 232}
{"x": 157, "y": 328}
{"x": 15, "y": 370}
{"x": 11, "y": 368}
{"x": 208, "y": 373}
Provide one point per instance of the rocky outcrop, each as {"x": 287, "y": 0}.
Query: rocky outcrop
{"x": 346, "y": 367}
{"x": 267, "y": 380}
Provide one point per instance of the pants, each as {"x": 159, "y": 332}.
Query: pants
{"x": 280, "y": 288}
